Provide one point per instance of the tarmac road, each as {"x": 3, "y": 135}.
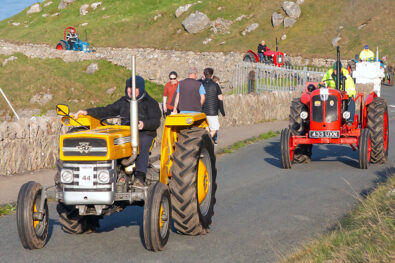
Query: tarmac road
{"x": 262, "y": 211}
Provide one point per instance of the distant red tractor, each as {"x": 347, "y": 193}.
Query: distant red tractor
{"x": 271, "y": 57}
{"x": 320, "y": 117}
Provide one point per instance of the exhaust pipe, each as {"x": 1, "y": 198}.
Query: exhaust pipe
{"x": 338, "y": 69}
{"x": 134, "y": 131}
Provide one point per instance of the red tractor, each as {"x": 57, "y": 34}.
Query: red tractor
{"x": 320, "y": 117}
{"x": 271, "y": 57}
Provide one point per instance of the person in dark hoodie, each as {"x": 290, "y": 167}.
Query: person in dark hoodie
{"x": 149, "y": 115}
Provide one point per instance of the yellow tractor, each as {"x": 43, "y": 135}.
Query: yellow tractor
{"x": 95, "y": 175}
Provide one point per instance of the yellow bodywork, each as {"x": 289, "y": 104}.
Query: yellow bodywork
{"x": 173, "y": 125}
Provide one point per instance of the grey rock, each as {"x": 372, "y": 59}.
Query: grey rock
{"x": 206, "y": 41}
{"x": 240, "y": 18}
{"x": 44, "y": 15}
{"x": 16, "y": 23}
{"x": 55, "y": 14}
{"x": 196, "y": 22}
{"x": 12, "y": 58}
{"x": 220, "y": 25}
{"x": 292, "y": 9}
{"x": 182, "y": 9}
{"x": 41, "y": 99}
{"x": 289, "y": 22}
{"x": 362, "y": 26}
{"x": 219, "y": 8}
{"x": 277, "y": 19}
{"x": 64, "y": 3}
{"x": 36, "y": 8}
{"x": 157, "y": 17}
{"x": 299, "y": 2}
{"x": 92, "y": 68}
{"x": 111, "y": 90}
{"x": 84, "y": 9}
{"x": 95, "y": 5}
{"x": 250, "y": 28}
{"x": 84, "y": 24}
{"x": 283, "y": 37}
{"x": 48, "y": 3}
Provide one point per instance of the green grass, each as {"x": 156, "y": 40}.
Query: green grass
{"x": 241, "y": 144}
{"x": 21, "y": 79}
{"x": 7, "y": 209}
{"x": 126, "y": 23}
{"x": 367, "y": 234}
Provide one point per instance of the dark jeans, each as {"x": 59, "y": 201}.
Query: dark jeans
{"x": 351, "y": 109}
{"x": 261, "y": 57}
{"x": 145, "y": 142}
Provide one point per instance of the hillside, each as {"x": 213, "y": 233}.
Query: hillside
{"x": 125, "y": 23}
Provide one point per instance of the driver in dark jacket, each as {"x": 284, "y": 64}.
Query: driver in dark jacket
{"x": 149, "y": 120}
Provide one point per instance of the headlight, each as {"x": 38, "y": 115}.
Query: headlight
{"x": 189, "y": 121}
{"x": 304, "y": 115}
{"x": 346, "y": 115}
{"x": 66, "y": 176}
{"x": 103, "y": 176}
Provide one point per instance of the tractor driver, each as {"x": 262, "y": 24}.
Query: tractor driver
{"x": 261, "y": 49}
{"x": 149, "y": 115}
{"x": 366, "y": 54}
{"x": 71, "y": 37}
{"x": 329, "y": 80}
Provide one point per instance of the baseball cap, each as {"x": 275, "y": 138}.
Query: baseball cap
{"x": 366, "y": 46}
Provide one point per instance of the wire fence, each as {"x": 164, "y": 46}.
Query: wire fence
{"x": 256, "y": 77}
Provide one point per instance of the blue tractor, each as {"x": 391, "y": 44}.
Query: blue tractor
{"x": 71, "y": 41}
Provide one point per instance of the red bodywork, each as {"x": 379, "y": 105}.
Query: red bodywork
{"x": 277, "y": 56}
{"x": 348, "y": 134}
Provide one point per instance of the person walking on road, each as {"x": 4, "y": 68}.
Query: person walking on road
{"x": 213, "y": 102}
{"x": 169, "y": 93}
{"x": 190, "y": 94}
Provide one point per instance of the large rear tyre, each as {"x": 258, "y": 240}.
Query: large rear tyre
{"x": 248, "y": 58}
{"x": 73, "y": 223}
{"x": 298, "y": 127}
{"x": 193, "y": 184}
{"x": 377, "y": 123}
{"x": 32, "y": 227}
{"x": 365, "y": 148}
{"x": 157, "y": 217}
{"x": 61, "y": 46}
{"x": 286, "y": 149}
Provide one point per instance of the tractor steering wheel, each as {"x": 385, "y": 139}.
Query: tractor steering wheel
{"x": 104, "y": 121}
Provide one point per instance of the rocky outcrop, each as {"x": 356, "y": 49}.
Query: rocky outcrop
{"x": 249, "y": 29}
{"x": 182, "y": 9}
{"x": 292, "y": 9}
{"x": 84, "y": 9}
{"x": 92, "y": 68}
{"x": 95, "y": 5}
{"x": 5, "y": 62}
{"x": 64, "y": 3}
{"x": 196, "y": 22}
{"x": 221, "y": 25}
{"x": 41, "y": 99}
{"x": 289, "y": 22}
{"x": 47, "y": 3}
{"x": 36, "y": 8}
{"x": 277, "y": 19}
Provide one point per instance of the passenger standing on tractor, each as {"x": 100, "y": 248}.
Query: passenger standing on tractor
{"x": 71, "y": 37}
{"x": 190, "y": 94}
{"x": 149, "y": 120}
{"x": 329, "y": 80}
{"x": 261, "y": 49}
{"x": 366, "y": 54}
{"x": 169, "y": 93}
{"x": 213, "y": 102}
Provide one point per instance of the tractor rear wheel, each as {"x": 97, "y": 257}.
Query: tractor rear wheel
{"x": 302, "y": 152}
{"x": 377, "y": 123}
{"x": 157, "y": 217}
{"x": 365, "y": 149}
{"x": 248, "y": 58}
{"x": 61, "y": 46}
{"x": 32, "y": 227}
{"x": 73, "y": 223}
{"x": 193, "y": 183}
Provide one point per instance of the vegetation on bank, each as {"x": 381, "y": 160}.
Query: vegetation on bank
{"x": 7, "y": 209}
{"x": 125, "y": 23}
{"x": 367, "y": 234}
{"x": 68, "y": 83}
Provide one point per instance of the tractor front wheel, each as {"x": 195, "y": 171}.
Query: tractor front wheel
{"x": 32, "y": 225}
{"x": 61, "y": 46}
{"x": 365, "y": 149}
{"x": 287, "y": 151}
{"x": 377, "y": 123}
{"x": 157, "y": 217}
{"x": 193, "y": 183}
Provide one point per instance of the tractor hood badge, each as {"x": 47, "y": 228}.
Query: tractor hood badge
{"x": 84, "y": 147}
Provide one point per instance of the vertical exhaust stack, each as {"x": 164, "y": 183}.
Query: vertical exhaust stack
{"x": 338, "y": 69}
{"x": 134, "y": 131}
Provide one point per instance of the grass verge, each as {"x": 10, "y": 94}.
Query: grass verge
{"x": 367, "y": 234}
{"x": 7, "y": 209}
{"x": 241, "y": 144}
